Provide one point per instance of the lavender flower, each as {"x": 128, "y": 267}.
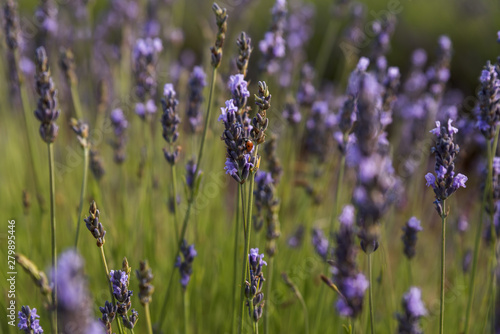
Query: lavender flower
{"x": 352, "y": 284}
{"x": 238, "y": 88}
{"x": 47, "y": 110}
{"x": 414, "y": 309}
{"x": 445, "y": 151}
{"x": 244, "y": 51}
{"x": 46, "y": 20}
{"x": 186, "y": 266}
{"x": 67, "y": 64}
{"x": 267, "y": 204}
{"x": 383, "y": 31}
{"x": 120, "y": 124}
{"x": 273, "y": 45}
{"x": 353, "y": 289}
{"x": 190, "y": 177}
{"x": 253, "y": 289}
{"x": 306, "y": 93}
{"x": 74, "y": 305}
{"x": 108, "y": 315}
{"x": 170, "y": 122}
{"x": 489, "y": 101}
{"x": 94, "y": 225}
{"x": 238, "y": 160}
{"x": 318, "y": 137}
{"x": 320, "y": 243}
{"x": 81, "y": 130}
{"x": 409, "y": 237}
{"x": 221, "y": 20}
{"x": 370, "y": 155}
{"x": 145, "y": 276}
{"x": 11, "y": 24}
{"x": 120, "y": 281}
{"x": 271, "y": 156}
{"x": 292, "y": 114}
{"x": 295, "y": 240}
{"x": 28, "y": 320}
{"x": 197, "y": 81}
{"x": 96, "y": 164}
{"x": 260, "y": 122}
{"x": 145, "y": 57}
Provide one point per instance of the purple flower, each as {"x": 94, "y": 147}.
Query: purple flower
{"x": 197, "y": 81}
{"x": 409, "y": 237}
{"x": 459, "y": 181}
{"x": 231, "y": 167}
{"x": 28, "y": 320}
{"x": 185, "y": 267}
{"x": 320, "y": 243}
{"x": 355, "y": 287}
{"x": 198, "y": 76}
{"x": 347, "y": 216}
{"x": 431, "y": 180}
{"x": 118, "y": 121}
{"x": 255, "y": 258}
{"x": 414, "y": 309}
{"x": 413, "y": 301}
{"x": 419, "y": 58}
{"x": 230, "y": 108}
{"x": 190, "y": 171}
{"x": 169, "y": 91}
{"x": 238, "y": 86}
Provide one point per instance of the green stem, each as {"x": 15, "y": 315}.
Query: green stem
{"x": 185, "y": 303}
{"x": 370, "y": 275}
{"x": 207, "y": 122}
{"x": 174, "y": 190}
{"x": 76, "y": 101}
{"x": 269, "y": 280}
{"x": 82, "y": 192}
{"x": 443, "y": 267}
{"x": 148, "y": 318}
{"x": 50, "y": 147}
{"x": 235, "y": 257}
{"x": 244, "y": 261}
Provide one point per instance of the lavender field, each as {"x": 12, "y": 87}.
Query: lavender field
{"x": 249, "y": 166}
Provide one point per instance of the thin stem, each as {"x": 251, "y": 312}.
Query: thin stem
{"x": 185, "y": 303}
{"x": 148, "y": 318}
{"x": 370, "y": 275}
{"x": 174, "y": 207}
{"x": 269, "y": 280}
{"x": 235, "y": 256}
{"x": 207, "y": 122}
{"x": 82, "y": 192}
{"x": 443, "y": 267}
{"x": 244, "y": 261}
{"x": 50, "y": 147}
{"x": 76, "y": 101}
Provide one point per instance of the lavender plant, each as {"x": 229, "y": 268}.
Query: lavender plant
{"x": 273, "y": 45}
{"x": 120, "y": 125}
{"x": 446, "y": 183}
{"x": 145, "y": 276}
{"x": 47, "y": 113}
{"x": 253, "y": 287}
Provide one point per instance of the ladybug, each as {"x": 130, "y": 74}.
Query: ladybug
{"x": 248, "y": 145}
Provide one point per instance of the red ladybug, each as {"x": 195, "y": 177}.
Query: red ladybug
{"x": 249, "y": 145}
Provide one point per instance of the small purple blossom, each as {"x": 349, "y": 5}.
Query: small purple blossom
{"x": 185, "y": 267}
{"x": 352, "y": 288}
{"x": 414, "y": 309}
{"x": 118, "y": 121}
{"x": 28, "y": 320}
{"x": 409, "y": 237}
{"x": 320, "y": 243}
{"x": 230, "y": 108}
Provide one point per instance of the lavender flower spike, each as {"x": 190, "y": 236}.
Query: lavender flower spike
{"x": 170, "y": 122}
{"x": 120, "y": 124}
{"x": 221, "y": 20}
{"x": 197, "y": 81}
{"x": 74, "y": 304}
{"x": 320, "y": 243}
{"x": 489, "y": 101}
{"x": 47, "y": 110}
{"x": 414, "y": 309}
{"x": 409, "y": 237}
{"x": 28, "y": 321}
{"x": 238, "y": 87}
{"x": 185, "y": 267}
{"x": 253, "y": 289}
{"x": 445, "y": 182}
